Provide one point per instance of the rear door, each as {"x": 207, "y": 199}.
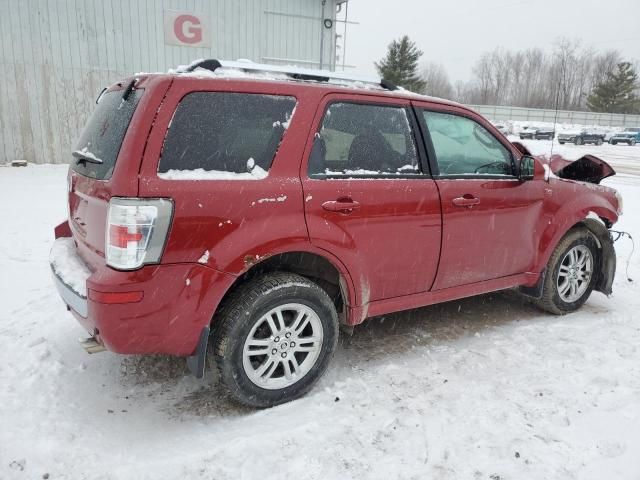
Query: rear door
{"x": 106, "y": 159}
{"x": 368, "y": 199}
{"x": 490, "y": 217}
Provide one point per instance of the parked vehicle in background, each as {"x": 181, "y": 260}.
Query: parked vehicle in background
{"x": 629, "y": 138}
{"x": 502, "y": 128}
{"x": 537, "y": 134}
{"x": 635, "y": 130}
{"x": 224, "y": 206}
{"x": 582, "y": 137}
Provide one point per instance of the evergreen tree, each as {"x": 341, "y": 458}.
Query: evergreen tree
{"x": 616, "y": 93}
{"x": 400, "y": 65}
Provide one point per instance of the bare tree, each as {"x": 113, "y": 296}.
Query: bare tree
{"x": 535, "y": 79}
{"x": 437, "y": 81}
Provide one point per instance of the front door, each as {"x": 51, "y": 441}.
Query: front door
{"x": 489, "y": 216}
{"x": 367, "y": 199}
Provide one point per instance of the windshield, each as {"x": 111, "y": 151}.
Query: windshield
{"x": 97, "y": 150}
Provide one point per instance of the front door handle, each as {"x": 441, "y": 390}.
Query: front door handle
{"x": 466, "y": 201}
{"x": 342, "y": 205}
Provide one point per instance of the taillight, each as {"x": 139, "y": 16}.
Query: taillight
{"x": 136, "y": 231}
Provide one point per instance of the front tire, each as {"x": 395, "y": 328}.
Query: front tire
{"x": 273, "y": 339}
{"x": 571, "y": 273}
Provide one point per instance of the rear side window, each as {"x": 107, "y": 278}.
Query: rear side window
{"x": 360, "y": 139}
{"x": 224, "y": 135}
{"x": 103, "y": 134}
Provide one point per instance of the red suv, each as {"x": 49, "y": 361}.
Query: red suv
{"x": 255, "y": 210}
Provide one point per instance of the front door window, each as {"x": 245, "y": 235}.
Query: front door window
{"x": 464, "y": 147}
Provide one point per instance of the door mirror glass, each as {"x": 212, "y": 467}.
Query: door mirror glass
{"x": 527, "y": 167}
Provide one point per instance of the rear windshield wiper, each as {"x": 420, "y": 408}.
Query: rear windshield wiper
{"x": 129, "y": 89}
{"x": 86, "y": 156}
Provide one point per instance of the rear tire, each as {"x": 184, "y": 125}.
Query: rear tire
{"x": 571, "y": 273}
{"x": 273, "y": 339}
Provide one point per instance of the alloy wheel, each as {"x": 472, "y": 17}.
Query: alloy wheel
{"x": 282, "y": 346}
{"x": 575, "y": 273}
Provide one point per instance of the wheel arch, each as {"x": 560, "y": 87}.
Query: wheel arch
{"x": 316, "y": 265}
{"x": 597, "y": 220}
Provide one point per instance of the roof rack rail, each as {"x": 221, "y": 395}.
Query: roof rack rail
{"x": 294, "y": 73}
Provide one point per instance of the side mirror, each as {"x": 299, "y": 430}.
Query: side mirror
{"x": 526, "y": 167}
{"x": 531, "y": 168}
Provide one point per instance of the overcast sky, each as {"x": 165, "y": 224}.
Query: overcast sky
{"x": 456, "y": 32}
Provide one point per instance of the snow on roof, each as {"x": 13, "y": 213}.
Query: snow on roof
{"x": 245, "y": 69}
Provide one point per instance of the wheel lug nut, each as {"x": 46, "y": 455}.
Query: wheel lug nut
{"x": 274, "y": 351}
{"x": 287, "y": 334}
{"x": 284, "y": 354}
{"x": 292, "y": 344}
{"x": 277, "y": 339}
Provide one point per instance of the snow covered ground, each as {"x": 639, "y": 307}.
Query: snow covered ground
{"x": 484, "y": 388}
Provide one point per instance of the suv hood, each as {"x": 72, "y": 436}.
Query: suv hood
{"x": 589, "y": 168}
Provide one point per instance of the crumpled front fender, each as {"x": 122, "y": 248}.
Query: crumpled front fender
{"x": 607, "y": 271}
{"x": 607, "y": 268}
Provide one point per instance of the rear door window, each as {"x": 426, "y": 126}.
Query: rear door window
{"x": 361, "y": 139}
{"x": 103, "y": 134}
{"x": 225, "y": 135}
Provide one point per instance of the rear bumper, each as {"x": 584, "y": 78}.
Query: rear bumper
{"x": 69, "y": 296}
{"x": 175, "y": 302}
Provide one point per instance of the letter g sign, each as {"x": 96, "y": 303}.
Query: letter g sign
{"x": 185, "y": 29}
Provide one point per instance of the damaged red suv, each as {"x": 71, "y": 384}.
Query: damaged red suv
{"x": 253, "y": 210}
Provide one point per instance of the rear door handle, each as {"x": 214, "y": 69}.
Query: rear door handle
{"x": 342, "y": 205}
{"x": 466, "y": 201}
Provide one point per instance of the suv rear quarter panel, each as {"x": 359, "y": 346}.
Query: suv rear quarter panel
{"x": 239, "y": 222}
